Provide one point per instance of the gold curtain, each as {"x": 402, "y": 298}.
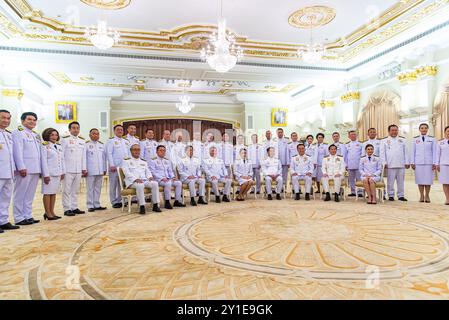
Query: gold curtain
{"x": 380, "y": 112}
{"x": 440, "y": 119}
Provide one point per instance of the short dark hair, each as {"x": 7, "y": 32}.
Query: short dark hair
{"x": 149, "y": 130}
{"x": 309, "y": 136}
{"x": 369, "y": 145}
{"x": 189, "y": 147}
{"x": 336, "y": 133}
{"x": 4, "y": 111}
{"x": 299, "y": 144}
{"x": 268, "y": 149}
{"x": 116, "y": 126}
{"x": 293, "y": 133}
{"x": 28, "y": 114}
{"x": 73, "y": 123}
{"x": 371, "y": 129}
{"x": 94, "y": 129}
{"x": 424, "y": 124}
{"x": 332, "y": 145}
{"x": 352, "y": 131}
{"x": 392, "y": 126}
{"x": 446, "y": 128}
{"x": 133, "y": 145}
{"x": 280, "y": 129}
{"x": 320, "y": 135}
{"x": 160, "y": 146}
{"x": 47, "y": 133}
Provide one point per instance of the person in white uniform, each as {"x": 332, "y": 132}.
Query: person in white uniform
{"x": 283, "y": 153}
{"x": 210, "y": 142}
{"x": 370, "y": 169}
{"x": 138, "y": 176}
{"x": 352, "y": 154}
{"x": 394, "y": 154}
{"x": 197, "y": 146}
{"x": 148, "y": 146}
{"x": 190, "y": 173}
{"x": 239, "y": 146}
{"x": 226, "y": 152}
{"x": 302, "y": 170}
{"x": 272, "y": 171}
{"x": 255, "y": 155}
{"x": 310, "y": 152}
{"x": 321, "y": 150}
{"x": 243, "y": 172}
{"x": 340, "y": 146}
{"x": 442, "y": 163}
{"x": 293, "y": 146}
{"x": 74, "y": 149}
{"x": 131, "y": 135}
{"x": 169, "y": 147}
{"x": 179, "y": 149}
{"x": 96, "y": 169}
{"x": 372, "y": 140}
{"x": 333, "y": 169}
{"x": 27, "y": 157}
{"x": 7, "y": 172}
{"x": 423, "y": 162}
{"x": 216, "y": 173}
{"x": 53, "y": 171}
{"x": 117, "y": 149}
{"x": 269, "y": 143}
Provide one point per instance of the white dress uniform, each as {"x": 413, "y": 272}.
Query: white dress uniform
{"x": 243, "y": 168}
{"x": 74, "y": 149}
{"x": 370, "y": 166}
{"x": 395, "y": 155}
{"x": 169, "y": 151}
{"x": 214, "y": 167}
{"x": 423, "y": 157}
{"x": 376, "y": 143}
{"x": 206, "y": 149}
{"x": 292, "y": 149}
{"x": 255, "y": 155}
{"x": 226, "y": 153}
{"x": 283, "y": 155}
{"x": 270, "y": 144}
{"x": 117, "y": 149}
{"x": 272, "y": 166}
{"x": 352, "y": 155}
{"x": 442, "y": 160}
{"x": 179, "y": 152}
{"x": 96, "y": 167}
{"x": 310, "y": 152}
{"x": 27, "y": 155}
{"x": 132, "y": 139}
{"x": 53, "y": 166}
{"x": 301, "y": 165}
{"x": 321, "y": 150}
{"x": 135, "y": 169}
{"x": 340, "y": 148}
{"x": 332, "y": 166}
{"x": 148, "y": 149}
{"x": 191, "y": 167}
{"x": 6, "y": 174}
{"x": 162, "y": 168}
{"x": 197, "y": 149}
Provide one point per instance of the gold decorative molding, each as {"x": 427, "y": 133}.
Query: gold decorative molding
{"x": 13, "y": 93}
{"x": 407, "y": 77}
{"x": 312, "y": 17}
{"x": 350, "y": 96}
{"x": 417, "y": 73}
{"x": 120, "y": 121}
{"x": 327, "y": 103}
{"x": 107, "y": 4}
{"x": 426, "y": 71}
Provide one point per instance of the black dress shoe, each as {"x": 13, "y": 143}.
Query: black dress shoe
{"x": 352, "y": 195}
{"x": 307, "y": 197}
{"x": 78, "y": 211}
{"x": 217, "y": 199}
{"x": 156, "y": 208}
{"x": 24, "y": 223}
{"x": 142, "y": 210}
{"x": 33, "y": 220}
{"x": 91, "y": 210}
{"x": 168, "y": 205}
{"x": 1, "y": 231}
{"x": 117, "y": 205}
{"x": 402, "y": 199}
{"x": 8, "y": 226}
{"x": 201, "y": 201}
{"x": 328, "y": 197}
{"x": 69, "y": 213}
{"x": 297, "y": 196}
{"x": 390, "y": 199}
{"x": 278, "y": 197}
{"x": 226, "y": 199}
{"x": 47, "y": 217}
{"x": 193, "y": 202}
{"x": 270, "y": 197}
{"x": 100, "y": 209}
{"x": 179, "y": 204}
{"x": 337, "y": 197}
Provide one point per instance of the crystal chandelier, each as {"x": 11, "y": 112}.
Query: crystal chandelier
{"x": 185, "y": 106}
{"x": 222, "y": 53}
{"x": 103, "y": 37}
{"x": 313, "y": 52}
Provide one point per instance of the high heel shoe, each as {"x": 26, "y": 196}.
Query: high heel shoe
{"x": 46, "y": 217}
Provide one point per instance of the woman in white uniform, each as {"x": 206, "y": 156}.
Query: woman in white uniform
{"x": 442, "y": 161}
{"x": 243, "y": 171}
{"x": 53, "y": 171}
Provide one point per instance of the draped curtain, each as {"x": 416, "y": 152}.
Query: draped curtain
{"x": 440, "y": 117}
{"x": 381, "y": 111}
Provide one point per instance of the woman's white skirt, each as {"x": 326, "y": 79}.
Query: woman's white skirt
{"x": 52, "y": 187}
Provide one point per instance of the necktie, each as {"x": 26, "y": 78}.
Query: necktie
{"x": 369, "y": 158}
{"x": 423, "y": 139}
{"x": 56, "y": 147}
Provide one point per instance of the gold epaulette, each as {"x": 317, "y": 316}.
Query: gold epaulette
{"x": 20, "y": 128}
{"x": 154, "y": 158}
{"x": 100, "y": 142}
{"x": 127, "y": 158}
{"x": 65, "y": 136}
{"x": 6, "y": 130}
{"x": 45, "y": 143}
{"x": 81, "y": 138}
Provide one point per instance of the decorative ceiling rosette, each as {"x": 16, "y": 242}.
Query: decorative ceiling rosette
{"x": 108, "y": 4}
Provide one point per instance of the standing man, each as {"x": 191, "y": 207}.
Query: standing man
{"x": 169, "y": 146}
{"x": 321, "y": 151}
{"x": 210, "y": 142}
{"x": 255, "y": 154}
{"x": 74, "y": 150}
{"x": 352, "y": 155}
{"x": 423, "y": 161}
{"x": 293, "y": 146}
{"x": 190, "y": 173}
{"x": 162, "y": 170}
{"x": 269, "y": 143}
{"x": 96, "y": 170}
{"x": 197, "y": 146}
{"x": 226, "y": 153}
{"x": 6, "y": 172}
{"x": 282, "y": 146}
{"x": 27, "y": 158}
{"x": 302, "y": 169}
{"x": 340, "y": 146}
{"x": 131, "y": 136}
{"x": 333, "y": 169}
{"x": 372, "y": 140}
{"x": 148, "y": 146}
{"x": 179, "y": 149}
{"x": 395, "y": 156}
{"x": 117, "y": 150}
{"x": 216, "y": 173}
{"x": 272, "y": 170}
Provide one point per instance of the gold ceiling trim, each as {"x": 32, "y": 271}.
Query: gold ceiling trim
{"x": 194, "y": 36}
{"x": 107, "y": 4}
{"x": 312, "y": 17}
{"x": 120, "y": 121}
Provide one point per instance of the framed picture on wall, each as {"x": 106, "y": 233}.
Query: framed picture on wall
{"x": 279, "y": 117}
{"x": 65, "y": 112}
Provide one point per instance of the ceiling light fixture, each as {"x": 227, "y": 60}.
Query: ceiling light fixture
{"x": 185, "y": 106}
{"x": 222, "y": 53}
{"x": 102, "y": 37}
{"x": 314, "y": 52}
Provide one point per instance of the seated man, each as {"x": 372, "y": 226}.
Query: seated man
{"x": 162, "y": 170}
{"x": 216, "y": 172}
{"x": 302, "y": 169}
{"x": 139, "y": 177}
{"x": 333, "y": 169}
{"x": 243, "y": 171}
{"x": 189, "y": 169}
{"x": 272, "y": 170}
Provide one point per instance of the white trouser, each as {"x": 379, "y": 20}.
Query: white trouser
{"x": 114, "y": 188}
{"x": 337, "y": 183}
{"x": 257, "y": 178}
{"x": 24, "y": 191}
{"x": 5, "y": 200}
{"x": 307, "y": 180}
{"x": 201, "y": 186}
{"x": 285, "y": 174}
{"x": 167, "y": 189}
{"x": 140, "y": 191}
{"x": 227, "y": 187}
{"x": 94, "y": 184}
{"x": 398, "y": 175}
{"x": 70, "y": 192}
{"x": 354, "y": 175}
{"x": 279, "y": 184}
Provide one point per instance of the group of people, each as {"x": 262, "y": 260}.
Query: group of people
{"x": 148, "y": 164}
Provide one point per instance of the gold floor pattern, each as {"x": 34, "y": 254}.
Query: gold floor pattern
{"x": 252, "y": 250}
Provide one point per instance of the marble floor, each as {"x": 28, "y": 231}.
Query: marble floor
{"x": 252, "y": 250}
